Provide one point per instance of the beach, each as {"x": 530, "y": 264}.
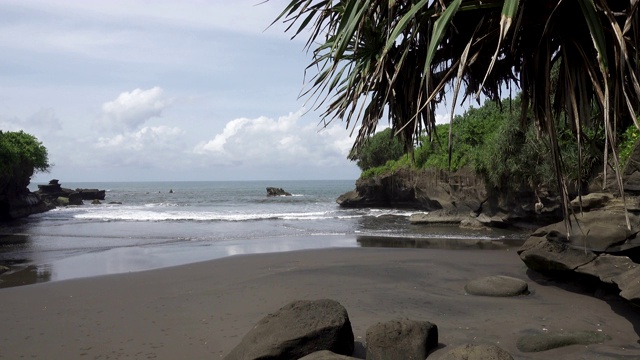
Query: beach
{"x": 202, "y": 310}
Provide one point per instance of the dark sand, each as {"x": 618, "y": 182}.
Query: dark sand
{"x": 201, "y": 311}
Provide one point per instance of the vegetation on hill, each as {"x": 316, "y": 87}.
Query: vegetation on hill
{"x": 492, "y": 142}
{"x": 21, "y": 155}
{"x": 377, "y": 150}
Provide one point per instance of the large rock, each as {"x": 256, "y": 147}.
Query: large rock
{"x": 599, "y": 231}
{"x": 601, "y": 248}
{"x": 401, "y": 340}
{"x": 296, "y": 330}
{"x": 477, "y": 352}
{"x": 551, "y": 254}
{"x": 273, "y": 191}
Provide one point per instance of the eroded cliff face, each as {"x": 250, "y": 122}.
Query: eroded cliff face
{"x": 462, "y": 193}
{"x": 16, "y": 201}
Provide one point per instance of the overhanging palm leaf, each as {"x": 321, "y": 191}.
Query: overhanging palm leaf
{"x": 404, "y": 56}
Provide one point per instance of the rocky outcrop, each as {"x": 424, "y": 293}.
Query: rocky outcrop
{"x": 16, "y": 201}
{"x": 450, "y": 199}
{"x": 600, "y": 247}
{"x": 273, "y": 191}
{"x": 56, "y": 195}
{"x": 296, "y": 330}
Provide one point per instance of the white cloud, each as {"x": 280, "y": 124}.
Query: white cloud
{"x": 282, "y": 141}
{"x": 132, "y": 109}
{"x": 147, "y": 137}
{"x": 150, "y": 146}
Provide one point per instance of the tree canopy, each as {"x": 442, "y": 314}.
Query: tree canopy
{"x": 21, "y": 155}
{"x": 405, "y": 57}
{"x": 377, "y": 150}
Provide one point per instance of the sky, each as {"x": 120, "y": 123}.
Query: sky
{"x": 192, "y": 90}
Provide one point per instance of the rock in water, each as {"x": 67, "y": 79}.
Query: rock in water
{"x": 296, "y": 330}
{"x": 273, "y": 191}
{"x": 401, "y": 340}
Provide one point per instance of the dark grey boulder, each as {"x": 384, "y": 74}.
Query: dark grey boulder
{"x": 550, "y": 253}
{"x": 547, "y": 341}
{"x": 497, "y": 285}
{"x": 273, "y": 191}
{"x": 599, "y": 231}
{"x": 326, "y": 355}
{"x": 296, "y": 330}
{"x": 607, "y": 267}
{"x": 477, "y": 352}
{"x": 401, "y": 340}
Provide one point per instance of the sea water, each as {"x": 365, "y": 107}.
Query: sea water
{"x": 147, "y": 225}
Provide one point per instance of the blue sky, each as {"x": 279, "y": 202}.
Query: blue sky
{"x": 163, "y": 90}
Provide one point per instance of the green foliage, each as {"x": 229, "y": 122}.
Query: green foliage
{"x": 378, "y": 150}
{"x": 509, "y": 155}
{"x": 627, "y": 141}
{"x": 21, "y": 154}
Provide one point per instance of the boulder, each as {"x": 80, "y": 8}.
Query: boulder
{"x": 601, "y": 248}
{"x": 497, "y": 285}
{"x": 272, "y": 191}
{"x": 552, "y": 340}
{"x": 477, "y": 352}
{"x": 551, "y": 254}
{"x": 296, "y": 330}
{"x": 401, "y": 340}
{"x": 599, "y": 231}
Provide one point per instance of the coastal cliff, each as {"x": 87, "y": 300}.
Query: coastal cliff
{"x": 16, "y": 201}
{"x": 461, "y": 195}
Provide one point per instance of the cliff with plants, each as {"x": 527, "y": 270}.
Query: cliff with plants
{"x": 21, "y": 155}
{"x": 497, "y": 167}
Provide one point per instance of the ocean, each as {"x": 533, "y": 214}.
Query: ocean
{"x": 160, "y": 224}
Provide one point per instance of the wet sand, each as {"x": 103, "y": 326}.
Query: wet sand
{"x": 202, "y": 310}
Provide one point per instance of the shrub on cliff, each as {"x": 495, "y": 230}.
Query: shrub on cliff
{"x": 377, "y": 150}
{"x": 21, "y": 155}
